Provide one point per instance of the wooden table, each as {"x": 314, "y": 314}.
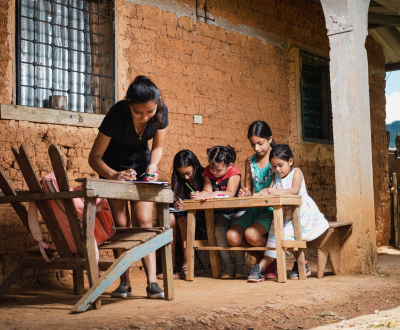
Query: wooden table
{"x": 275, "y": 201}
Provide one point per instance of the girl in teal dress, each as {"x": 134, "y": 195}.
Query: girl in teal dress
{"x": 252, "y": 228}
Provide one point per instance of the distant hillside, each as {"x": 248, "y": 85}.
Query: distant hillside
{"x": 394, "y": 129}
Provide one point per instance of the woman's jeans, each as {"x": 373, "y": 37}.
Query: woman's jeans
{"x": 222, "y": 223}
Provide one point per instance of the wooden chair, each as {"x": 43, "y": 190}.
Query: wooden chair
{"x": 329, "y": 245}
{"x": 136, "y": 242}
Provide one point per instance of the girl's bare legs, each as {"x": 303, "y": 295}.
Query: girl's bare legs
{"x": 120, "y": 215}
{"x": 173, "y": 224}
{"x": 141, "y": 216}
{"x": 236, "y": 237}
{"x": 182, "y": 222}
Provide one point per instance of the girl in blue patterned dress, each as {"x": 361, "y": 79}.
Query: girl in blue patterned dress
{"x": 253, "y": 226}
{"x": 290, "y": 181}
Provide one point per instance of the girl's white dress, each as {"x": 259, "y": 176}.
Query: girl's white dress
{"x": 313, "y": 222}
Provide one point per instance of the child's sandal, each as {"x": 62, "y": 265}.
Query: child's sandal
{"x": 183, "y": 273}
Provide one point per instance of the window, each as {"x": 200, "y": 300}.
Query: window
{"x": 316, "y": 107}
{"x": 65, "y": 54}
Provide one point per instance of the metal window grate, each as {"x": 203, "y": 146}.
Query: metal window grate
{"x": 316, "y": 106}
{"x": 66, "y": 54}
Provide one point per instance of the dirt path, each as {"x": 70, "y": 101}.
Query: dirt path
{"x": 334, "y": 302}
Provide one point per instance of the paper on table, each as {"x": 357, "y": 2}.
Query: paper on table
{"x": 223, "y": 196}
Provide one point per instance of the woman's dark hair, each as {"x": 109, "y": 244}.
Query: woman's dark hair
{"x": 143, "y": 90}
{"x": 261, "y": 129}
{"x": 281, "y": 151}
{"x": 220, "y": 154}
{"x": 185, "y": 158}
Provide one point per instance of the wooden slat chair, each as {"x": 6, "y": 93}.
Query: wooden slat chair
{"x": 136, "y": 242}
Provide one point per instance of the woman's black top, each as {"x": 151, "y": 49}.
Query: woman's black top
{"x": 125, "y": 149}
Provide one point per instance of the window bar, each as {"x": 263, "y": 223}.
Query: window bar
{"x": 18, "y": 42}
{"x": 99, "y": 34}
{"x": 308, "y": 96}
{"x": 34, "y": 54}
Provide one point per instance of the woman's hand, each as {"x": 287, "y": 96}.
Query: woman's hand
{"x": 178, "y": 205}
{"x": 244, "y": 192}
{"x": 127, "y": 175}
{"x": 152, "y": 173}
{"x": 193, "y": 195}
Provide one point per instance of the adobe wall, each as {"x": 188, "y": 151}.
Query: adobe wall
{"x": 239, "y": 70}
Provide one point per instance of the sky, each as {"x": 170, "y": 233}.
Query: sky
{"x": 392, "y": 96}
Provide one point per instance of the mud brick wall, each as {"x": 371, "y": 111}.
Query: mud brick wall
{"x": 239, "y": 70}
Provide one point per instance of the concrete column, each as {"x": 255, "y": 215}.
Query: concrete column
{"x": 346, "y": 21}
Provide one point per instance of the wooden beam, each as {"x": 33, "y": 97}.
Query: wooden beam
{"x": 241, "y": 202}
{"x": 129, "y": 190}
{"x": 390, "y": 4}
{"x": 50, "y": 116}
{"x": 392, "y": 67}
{"x": 385, "y": 20}
{"x": 46, "y": 196}
{"x": 294, "y": 244}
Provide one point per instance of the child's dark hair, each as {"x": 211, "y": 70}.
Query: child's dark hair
{"x": 220, "y": 154}
{"x": 283, "y": 152}
{"x": 143, "y": 90}
{"x": 186, "y": 158}
{"x": 261, "y": 129}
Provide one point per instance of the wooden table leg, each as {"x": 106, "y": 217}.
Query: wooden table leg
{"x": 279, "y": 237}
{"x": 89, "y": 215}
{"x": 298, "y": 236}
{"x": 191, "y": 227}
{"x": 166, "y": 254}
{"x": 212, "y": 241}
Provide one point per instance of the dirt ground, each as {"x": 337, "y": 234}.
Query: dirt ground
{"x": 346, "y": 301}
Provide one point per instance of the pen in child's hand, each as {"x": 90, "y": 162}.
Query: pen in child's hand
{"x": 180, "y": 199}
{"x": 191, "y": 188}
{"x": 275, "y": 179}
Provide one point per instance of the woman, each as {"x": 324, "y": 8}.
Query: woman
{"x": 121, "y": 152}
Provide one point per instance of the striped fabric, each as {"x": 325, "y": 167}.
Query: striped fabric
{"x": 313, "y": 222}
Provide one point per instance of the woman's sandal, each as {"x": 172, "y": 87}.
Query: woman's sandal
{"x": 175, "y": 275}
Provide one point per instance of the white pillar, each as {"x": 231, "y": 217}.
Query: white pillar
{"x": 347, "y": 21}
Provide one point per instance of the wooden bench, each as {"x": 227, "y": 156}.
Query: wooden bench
{"x": 136, "y": 242}
{"x": 329, "y": 245}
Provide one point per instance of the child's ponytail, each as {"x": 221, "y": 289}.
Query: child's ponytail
{"x": 273, "y": 143}
{"x": 221, "y": 154}
{"x": 282, "y": 152}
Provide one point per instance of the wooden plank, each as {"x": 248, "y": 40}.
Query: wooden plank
{"x": 50, "y": 116}
{"x": 89, "y": 243}
{"x": 16, "y": 274}
{"x": 395, "y": 212}
{"x": 197, "y": 243}
{"x": 344, "y": 232}
{"x": 32, "y": 180}
{"x": 166, "y": 253}
{"x": 294, "y": 244}
{"x": 396, "y": 168}
{"x": 212, "y": 241}
{"x": 20, "y": 209}
{"x": 321, "y": 240}
{"x": 301, "y": 260}
{"x": 191, "y": 226}
{"x": 157, "y": 230}
{"x": 241, "y": 202}
{"x": 79, "y": 282}
{"x": 29, "y": 197}
{"x": 334, "y": 224}
{"x": 60, "y": 173}
{"x": 141, "y": 237}
{"x": 119, "y": 267}
{"x": 129, "y": 190}
{"x": 124, "y": 245}
{"x": 279, "y": 237}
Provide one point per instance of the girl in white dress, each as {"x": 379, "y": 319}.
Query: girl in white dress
{"x": 290, "y": 181}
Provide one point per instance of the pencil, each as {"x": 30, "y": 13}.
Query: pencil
{"x": 276, "y": 176}
{"x": 191, "y": 188}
